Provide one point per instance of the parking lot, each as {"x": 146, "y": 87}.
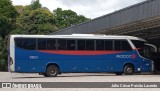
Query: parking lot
{"x": 79, "y": 77}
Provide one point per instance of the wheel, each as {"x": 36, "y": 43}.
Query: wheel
{"x": 128, "y": 70}
{"x": 52, "y": 71}
{"x": 119, "y": 73}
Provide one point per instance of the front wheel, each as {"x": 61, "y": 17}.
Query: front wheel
{"x": 52, "y": 71}
{"x": 128, "y": 70}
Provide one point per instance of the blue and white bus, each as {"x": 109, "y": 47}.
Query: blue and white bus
{"x": 51, "y": 55}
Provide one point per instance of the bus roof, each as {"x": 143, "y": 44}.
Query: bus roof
{"x": 81, "y": 36}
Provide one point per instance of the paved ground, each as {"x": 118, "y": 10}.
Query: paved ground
{"x": 79, "y": 77}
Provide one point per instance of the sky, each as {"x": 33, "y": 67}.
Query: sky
{"x": 88, "y": 8}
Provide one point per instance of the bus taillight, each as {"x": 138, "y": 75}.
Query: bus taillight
{"x": 11, "y": 61}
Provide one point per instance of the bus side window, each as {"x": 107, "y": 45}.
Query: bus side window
{"x": 108, "y": 44}
{"x": 99, "y": 44}
{"x": 71, "y": 44}
{"x": 81, "y": 44}
{"x": 117, "y": 45}
{"x": 90, "y": 45}
{"x": 126, "y": 46}
{"x": 62, "y": 44}
{"x": 18, "y": 43}
{"x": 51, "y": 44}
{"x": 26, "y": 43}
{"x": 41, "y": 44}
{"x": 122, "y": 45}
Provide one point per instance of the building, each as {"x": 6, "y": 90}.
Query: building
{"x": 141, "y": 20}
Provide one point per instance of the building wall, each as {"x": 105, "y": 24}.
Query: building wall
{"x": 141, "y": 11}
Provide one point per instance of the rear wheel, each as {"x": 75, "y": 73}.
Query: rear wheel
{"x": 128, "y": 70}
{"x": 52, "y": 71}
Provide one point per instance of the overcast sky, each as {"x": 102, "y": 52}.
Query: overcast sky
{"x": 88, "y": 8}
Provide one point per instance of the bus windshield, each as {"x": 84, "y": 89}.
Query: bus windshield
{"x": 142, "y": 48}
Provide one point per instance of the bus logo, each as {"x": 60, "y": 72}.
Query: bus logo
{"x": 133, "y": 56}
{"x": 33, "y": 57}
{"x": 123, "y": 56}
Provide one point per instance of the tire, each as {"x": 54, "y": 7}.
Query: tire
{"x": 119, "y": 73}
{"x": 128, "y": 70}
{"x": 52, "y": 71}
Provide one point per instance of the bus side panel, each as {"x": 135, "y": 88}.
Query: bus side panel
{"x": 28, "y": 61}
{"x": 86, "y": 64}
{"x": 130, "y": 57}
{"x": 35, "y": 61}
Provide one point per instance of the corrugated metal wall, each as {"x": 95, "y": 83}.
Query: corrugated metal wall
{"x": 137, "y": 12}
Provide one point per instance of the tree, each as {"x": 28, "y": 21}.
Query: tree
{"x": 8, "y": 15}
{"x": 37, "y": 20}
{"x": 19, "y": 8}
{"x": 35, "y": 4}
{"x": 66, "y": 18}
{"x": 5, "y": 25}
{"x": 3, "y": 55}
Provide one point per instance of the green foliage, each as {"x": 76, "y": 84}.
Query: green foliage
{"x": 7, "y": 9}
{"x": 19, "y": 8}
{"x": 3, "y": 65}
{"x": 31, "y": 19}
{"x": 8, "y": 14}
{"x": 1, "y": 46}
{"x": 35, "y": 5}
{"x": 66, "y": 18}
{"x": 38, "y": 21}
{"x": 5, "y": 25}
{"x": 3, "y": 55}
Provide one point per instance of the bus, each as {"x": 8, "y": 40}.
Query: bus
{"x": 51, "y": 55}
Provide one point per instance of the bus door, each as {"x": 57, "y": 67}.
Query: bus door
{"x": 147, "y": 64}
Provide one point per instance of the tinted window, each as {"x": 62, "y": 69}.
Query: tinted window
{"x": 125, "y": 45}
{"x": 138, "y": 44}
{"x": 41, "y": 44}
{"x": 26, "y": 43}
{"x": 89, "y": 44}
{"x": 117, "y": 45}
{"x": 142, "y": 48}
{"x": 122, "y": 45}
{"x": 99, "y": 44}
{"x": 19, "y": 43}
{"x": 108, "y": 44}
{"x": 71, "y": 45}
{"x": 51, "y": 44}
{"x": 81, "y": 44}
{"x": 62, "y": 44}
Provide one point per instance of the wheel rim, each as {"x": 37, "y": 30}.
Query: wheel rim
{"x": 129, "y": 70}
{"x": 52, "y": 71}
